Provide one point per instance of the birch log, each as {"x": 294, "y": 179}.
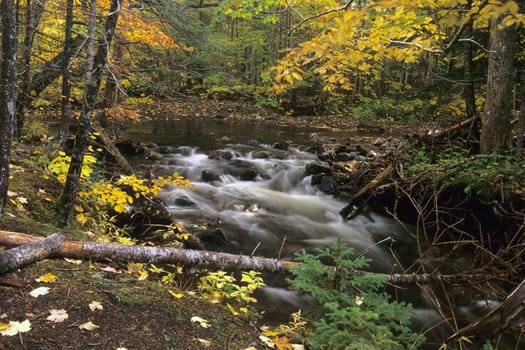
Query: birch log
{"x": 206, "y": 259}
{"x": 29, "y": 252}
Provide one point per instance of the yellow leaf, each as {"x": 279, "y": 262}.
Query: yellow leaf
{"x": 47, "y": 278}
{"x": 176, "y": 295}
{"x": 4, "y": 326}
{"x": 232, "y": 310}
{"x": 81, "y": 218}
{"x": 297, "y": 76}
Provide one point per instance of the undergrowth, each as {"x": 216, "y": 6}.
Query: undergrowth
{"x": 489, "y": 176}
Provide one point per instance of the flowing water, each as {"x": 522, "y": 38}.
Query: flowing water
{"x": 264, "y": 204}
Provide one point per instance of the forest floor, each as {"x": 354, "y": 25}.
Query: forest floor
{"x": 130, "y": 313}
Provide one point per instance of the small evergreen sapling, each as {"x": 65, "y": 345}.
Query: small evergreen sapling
{"x": 351, "y": 310}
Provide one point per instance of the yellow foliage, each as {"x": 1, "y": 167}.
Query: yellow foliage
{"x": 367, "y": 34}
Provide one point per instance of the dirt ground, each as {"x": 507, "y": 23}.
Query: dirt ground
{"x": 135, "y": 314}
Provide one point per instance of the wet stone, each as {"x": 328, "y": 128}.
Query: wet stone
{"x": 317, "y": 168}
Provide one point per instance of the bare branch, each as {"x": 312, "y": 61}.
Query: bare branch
{"x": 320, "y": 14}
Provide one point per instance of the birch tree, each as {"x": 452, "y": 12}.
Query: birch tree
{"x": 94, "y": 73}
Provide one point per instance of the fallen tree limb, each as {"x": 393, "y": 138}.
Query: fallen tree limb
{"x": 498, "y": 319}
{"x": 29, "y": 252}
{"x": 206, "y": 259}
{"x": 361, "y": 198}
{"x": 110, "y": 147}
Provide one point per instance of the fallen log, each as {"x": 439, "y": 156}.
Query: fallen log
{"x": 206, "y": 259}
{"x": 29, "y": 252}
{"x": 498, "y": 319}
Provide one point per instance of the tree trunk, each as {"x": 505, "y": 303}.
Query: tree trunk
{"x": 7, "y": 94}
{"x": 34, "y": 12}
{"x": 15, "y": 258}
{"x": 521, "y": 118}
{"x": 111, "y": 89}
{"x": 468, "y": 89}
{"x": 93, "y": 80}
{"x": 496, "y": 123}
{"x": 66, "y": 86}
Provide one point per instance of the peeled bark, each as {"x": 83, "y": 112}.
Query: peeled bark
{"x": 15, "y": 258}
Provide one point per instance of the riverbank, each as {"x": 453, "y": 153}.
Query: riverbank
{"x": 135, "y": 308}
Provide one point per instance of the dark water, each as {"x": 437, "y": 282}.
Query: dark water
{"x": 211, "y": 133}
{"x": 278, "y": 211}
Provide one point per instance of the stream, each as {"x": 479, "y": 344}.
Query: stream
{"x": 257, "y": 200}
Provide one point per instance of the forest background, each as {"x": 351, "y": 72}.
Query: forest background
{"x": 437, "y": 62}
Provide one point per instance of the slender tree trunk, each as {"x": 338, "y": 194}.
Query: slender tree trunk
{"x": 7, "y": 93}
{"x": 496, "y": 122}
{"x": 66, "y": 86}
{"x": 34, "y": 12}
{"x": 521, "y": 118}
{"x": 468, "y": 89}
{"x": 111, "y": 89}
{"x": 93, "y": 80}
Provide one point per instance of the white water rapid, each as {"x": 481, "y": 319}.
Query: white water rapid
{"x": 273, "y": 212}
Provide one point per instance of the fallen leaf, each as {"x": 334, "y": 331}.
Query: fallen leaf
{"x": 4, "y": 326}
{"x": 73, "y": 261}
{"x": 176, "y": 295}
{"x": 88, "y": 326}
{"x": 297, "y": 347}
{"x": 204, "y": 342}
{"x": 110, "y": 270}
{"x": 47, "y": 278}
{"x": 11, "y": 193}
{"x": 57, "y": 316}
{"x": 22, "y": 200}
{"x": 35, "y": 293}
{"x": 267, "y": 341}
{"x": 16, "y": 327}
{"x": 203, "y": 323}
{"x": 232, "y": 310}
{"x": 95, "y": 305}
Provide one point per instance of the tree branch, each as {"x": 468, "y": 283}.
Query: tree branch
{"x": 320, "y": 14}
